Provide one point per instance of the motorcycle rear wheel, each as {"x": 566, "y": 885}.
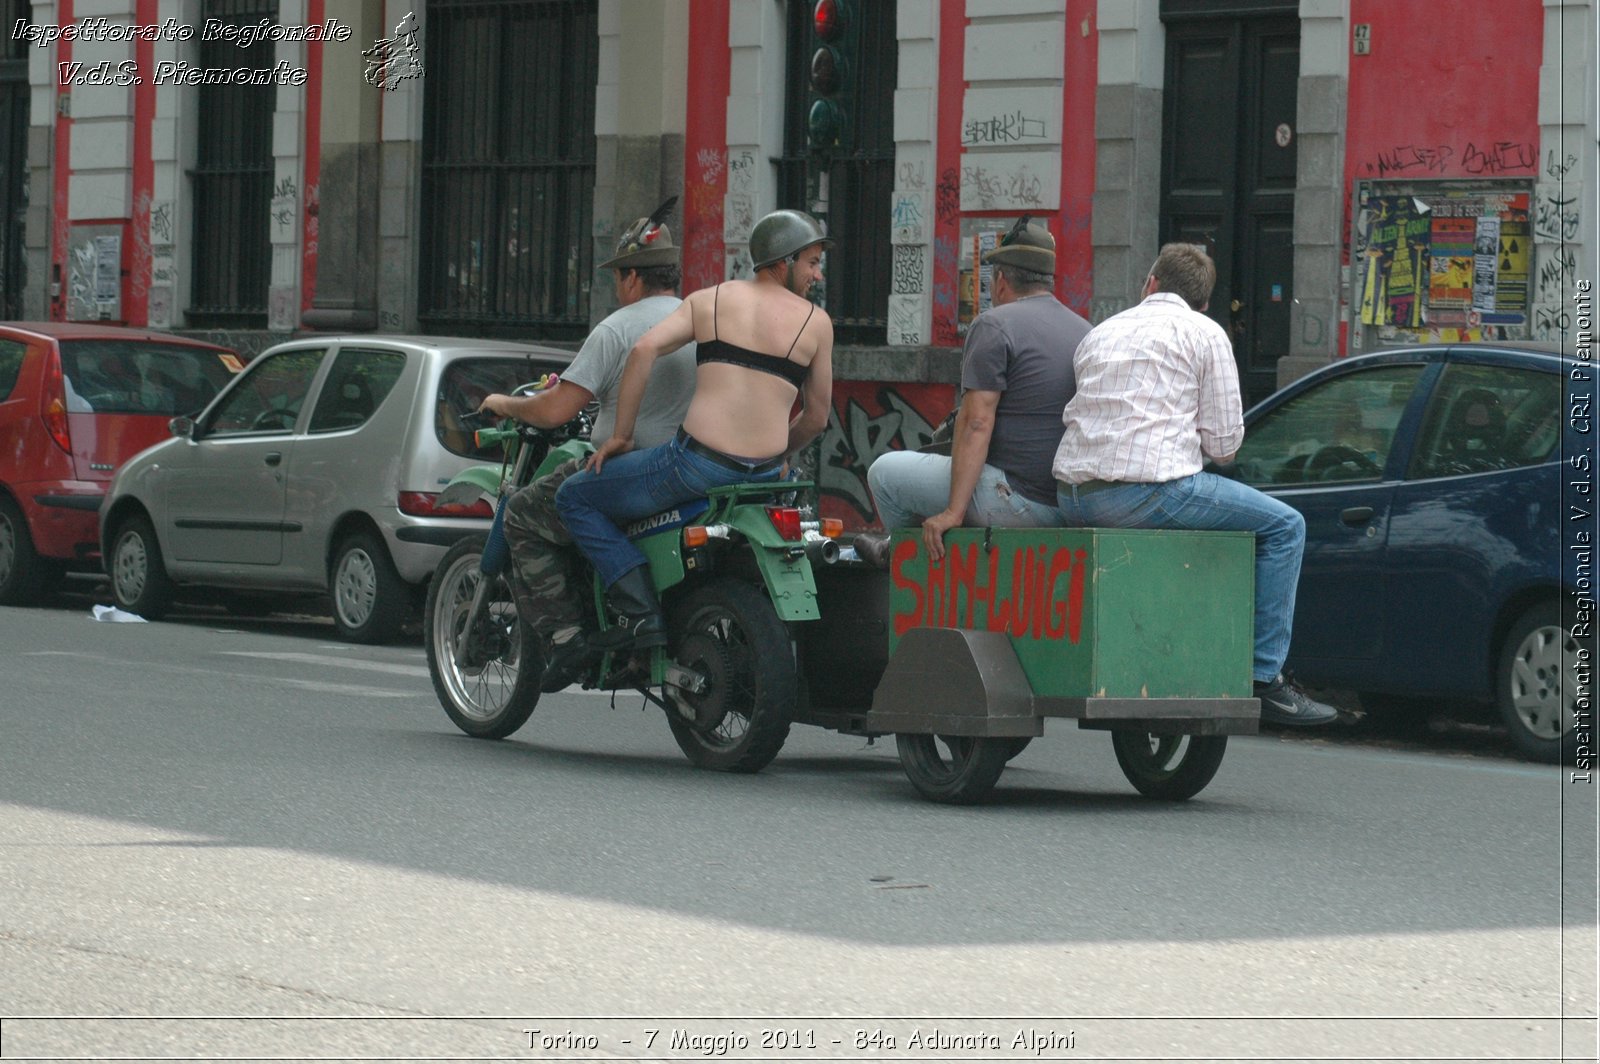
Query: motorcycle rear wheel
{"x": 495, "y": 692}
{"x": 728, "y": 632}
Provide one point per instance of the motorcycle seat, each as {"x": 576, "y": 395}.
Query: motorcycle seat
{"x": 676, "y": 517}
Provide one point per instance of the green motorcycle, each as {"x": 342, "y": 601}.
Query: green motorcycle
{"x": 733, "y": 572}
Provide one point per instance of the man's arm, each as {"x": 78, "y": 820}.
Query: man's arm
{"x": 546, "y": 409}
{"x": 817, "y": 395}
{"x": 1220, "y": 417}
{"x": 969, "y": 450}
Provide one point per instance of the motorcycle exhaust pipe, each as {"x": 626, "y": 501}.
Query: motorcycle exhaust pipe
{"x": 821, "y": 549}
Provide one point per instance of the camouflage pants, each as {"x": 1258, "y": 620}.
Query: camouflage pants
{"x": 546, "y": 568}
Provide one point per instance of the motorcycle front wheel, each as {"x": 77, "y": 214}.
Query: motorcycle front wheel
{"x": 729, "y": 633}
{"x": 493, "y": 690}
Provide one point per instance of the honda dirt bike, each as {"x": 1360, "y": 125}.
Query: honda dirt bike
{"x": 732, "y": 571}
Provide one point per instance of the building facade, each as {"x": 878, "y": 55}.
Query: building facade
{"x": 1365, "y": 172}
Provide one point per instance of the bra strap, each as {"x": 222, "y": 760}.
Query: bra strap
{"x": 802, "y": 331}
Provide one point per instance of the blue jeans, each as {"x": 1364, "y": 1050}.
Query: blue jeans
{"x": 635, "y": 485}
{"x": 1208, "y": 502}
{"x": 908, "y": 486}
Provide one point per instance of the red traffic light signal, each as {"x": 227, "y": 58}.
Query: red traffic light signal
{"x": 829, "y": 18}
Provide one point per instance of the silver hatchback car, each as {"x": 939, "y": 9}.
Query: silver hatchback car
{"x": 318, "y": 469}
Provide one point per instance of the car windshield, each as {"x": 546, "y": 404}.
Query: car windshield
{"x": 142, "y": 377}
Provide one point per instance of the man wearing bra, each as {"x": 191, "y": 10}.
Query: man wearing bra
{"x": 1016, "y": 375}
{"x": 759, "y": 344}
{"x": 645, "y": 272}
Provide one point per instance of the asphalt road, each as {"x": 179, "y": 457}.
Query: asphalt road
{"x": 219, "y": 836}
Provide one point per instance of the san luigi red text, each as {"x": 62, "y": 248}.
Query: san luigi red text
{"x": 1031, "y": 603}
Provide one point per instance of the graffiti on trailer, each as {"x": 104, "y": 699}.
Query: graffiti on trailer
{"x": 1041, "y": 595}
{"x": 905, "y": 419}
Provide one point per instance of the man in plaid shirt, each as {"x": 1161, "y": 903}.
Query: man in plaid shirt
{"x": 1157, "y": 394}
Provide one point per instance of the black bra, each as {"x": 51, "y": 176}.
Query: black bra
{"x": 717, "y": 350}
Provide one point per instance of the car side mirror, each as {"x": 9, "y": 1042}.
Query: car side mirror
{"x": 183, "y": 426}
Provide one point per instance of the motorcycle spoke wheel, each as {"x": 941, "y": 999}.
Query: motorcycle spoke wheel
{"x": 729, "y": 633}
{"x": 493, "y": 688}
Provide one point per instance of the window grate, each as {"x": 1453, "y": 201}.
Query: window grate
{"x": 13, "y": 156}
{"x": 508, "y": 166}
{"x": 231, "y": 181}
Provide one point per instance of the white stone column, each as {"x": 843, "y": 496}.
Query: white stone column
{"x": 755, "y": 123}
{"x": 911, "y": 215}
{"x": 1567, "y": 191}
{"x": 1127, "y": 129}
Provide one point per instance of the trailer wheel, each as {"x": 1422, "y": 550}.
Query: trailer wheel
{"x": 1170, "y": 767}
{"x": 955, "y": 769}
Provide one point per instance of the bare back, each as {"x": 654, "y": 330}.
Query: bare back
{"x": 745, "y": 411}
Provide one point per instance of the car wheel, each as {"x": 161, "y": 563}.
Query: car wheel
{"x": 21, "y": 573}
{"x": 1537, "y": 683}
{"x": 370, "y": 601}
{"x": 139, "y": 580}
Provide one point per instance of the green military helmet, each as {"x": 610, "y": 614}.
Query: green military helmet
{"x": 645, "y": 243}
{"x": 1030, "y": 247}
{"x": 784, "y": 233}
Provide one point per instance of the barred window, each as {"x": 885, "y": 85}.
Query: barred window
{"x": 13, "y": 155}
{"x": 857, "y": 185}
{"x": 508, "y": 167}
{"x": 231, "y": 182}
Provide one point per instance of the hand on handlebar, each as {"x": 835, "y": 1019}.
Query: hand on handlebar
{"x": 487, "y": 407}
{"x": 615, "y": 445}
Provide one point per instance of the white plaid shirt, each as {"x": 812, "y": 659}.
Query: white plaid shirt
{"x": 1157, "y": 387}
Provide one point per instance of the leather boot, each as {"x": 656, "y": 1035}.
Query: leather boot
{"x": 633, "y": 599}
{"x": 873, "y": 548}
{"x": 566, "y": 663}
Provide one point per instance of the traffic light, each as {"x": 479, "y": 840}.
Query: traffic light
{"x": 828, "y": 119}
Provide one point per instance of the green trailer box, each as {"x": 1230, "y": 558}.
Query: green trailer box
{"x": 1107, "y": 624}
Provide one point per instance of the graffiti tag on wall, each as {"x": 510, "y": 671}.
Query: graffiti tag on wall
{"x": 869, "y": 418}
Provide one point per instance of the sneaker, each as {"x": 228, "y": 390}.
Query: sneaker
{"x": 873, "y": 548}
{"x": 1284, "y": 703}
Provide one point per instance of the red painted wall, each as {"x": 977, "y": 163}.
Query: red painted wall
{"x": 1447, "y": 92}
{"x": 1074, "y": 244}
{"x": 705, "y": 145}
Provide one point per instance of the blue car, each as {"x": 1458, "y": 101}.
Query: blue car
{"x": 1448, "y": 538}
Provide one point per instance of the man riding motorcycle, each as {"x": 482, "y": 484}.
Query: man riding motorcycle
{"x": 645, "y": 272}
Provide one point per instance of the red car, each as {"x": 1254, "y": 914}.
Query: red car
{"x": 76, "y": 401}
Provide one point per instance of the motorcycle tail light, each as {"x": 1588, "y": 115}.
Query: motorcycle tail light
{"x": 695, "y": 536}
{"x": 832, "y": 527}
{"x": 426, "y": 504}
{"x": 54, "y": 409}
{"x": 786, "y": 519}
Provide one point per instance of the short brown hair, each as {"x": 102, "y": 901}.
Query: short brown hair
{"x": 1186, "y": 270}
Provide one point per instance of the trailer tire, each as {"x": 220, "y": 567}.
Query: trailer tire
{"x": 1165, "y": 766}
{"x": 965, "y": 771}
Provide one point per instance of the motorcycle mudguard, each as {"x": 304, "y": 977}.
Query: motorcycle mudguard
{"x": 563, "y": 452}
{"x": 483, "y": 481}
{"x": 789, "y": 580}
{"x": 470, "y": 485}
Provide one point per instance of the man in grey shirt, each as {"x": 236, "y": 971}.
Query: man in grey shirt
{"x": 645, "y": 270}
{"x": 1016, "y": 375}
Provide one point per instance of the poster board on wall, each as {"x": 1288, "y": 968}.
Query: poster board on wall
{"x": 1440, "y": 261}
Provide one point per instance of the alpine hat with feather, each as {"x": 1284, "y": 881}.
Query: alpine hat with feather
{"x": 647, "y": 242}
{"x": 1030, "y": 247}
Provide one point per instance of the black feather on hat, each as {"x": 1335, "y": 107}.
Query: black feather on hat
{"x": 1030, "y": 247}
{"x": 646, "y": 242}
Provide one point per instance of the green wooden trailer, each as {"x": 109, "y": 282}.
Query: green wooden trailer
{"x": 1147, "y": 634}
